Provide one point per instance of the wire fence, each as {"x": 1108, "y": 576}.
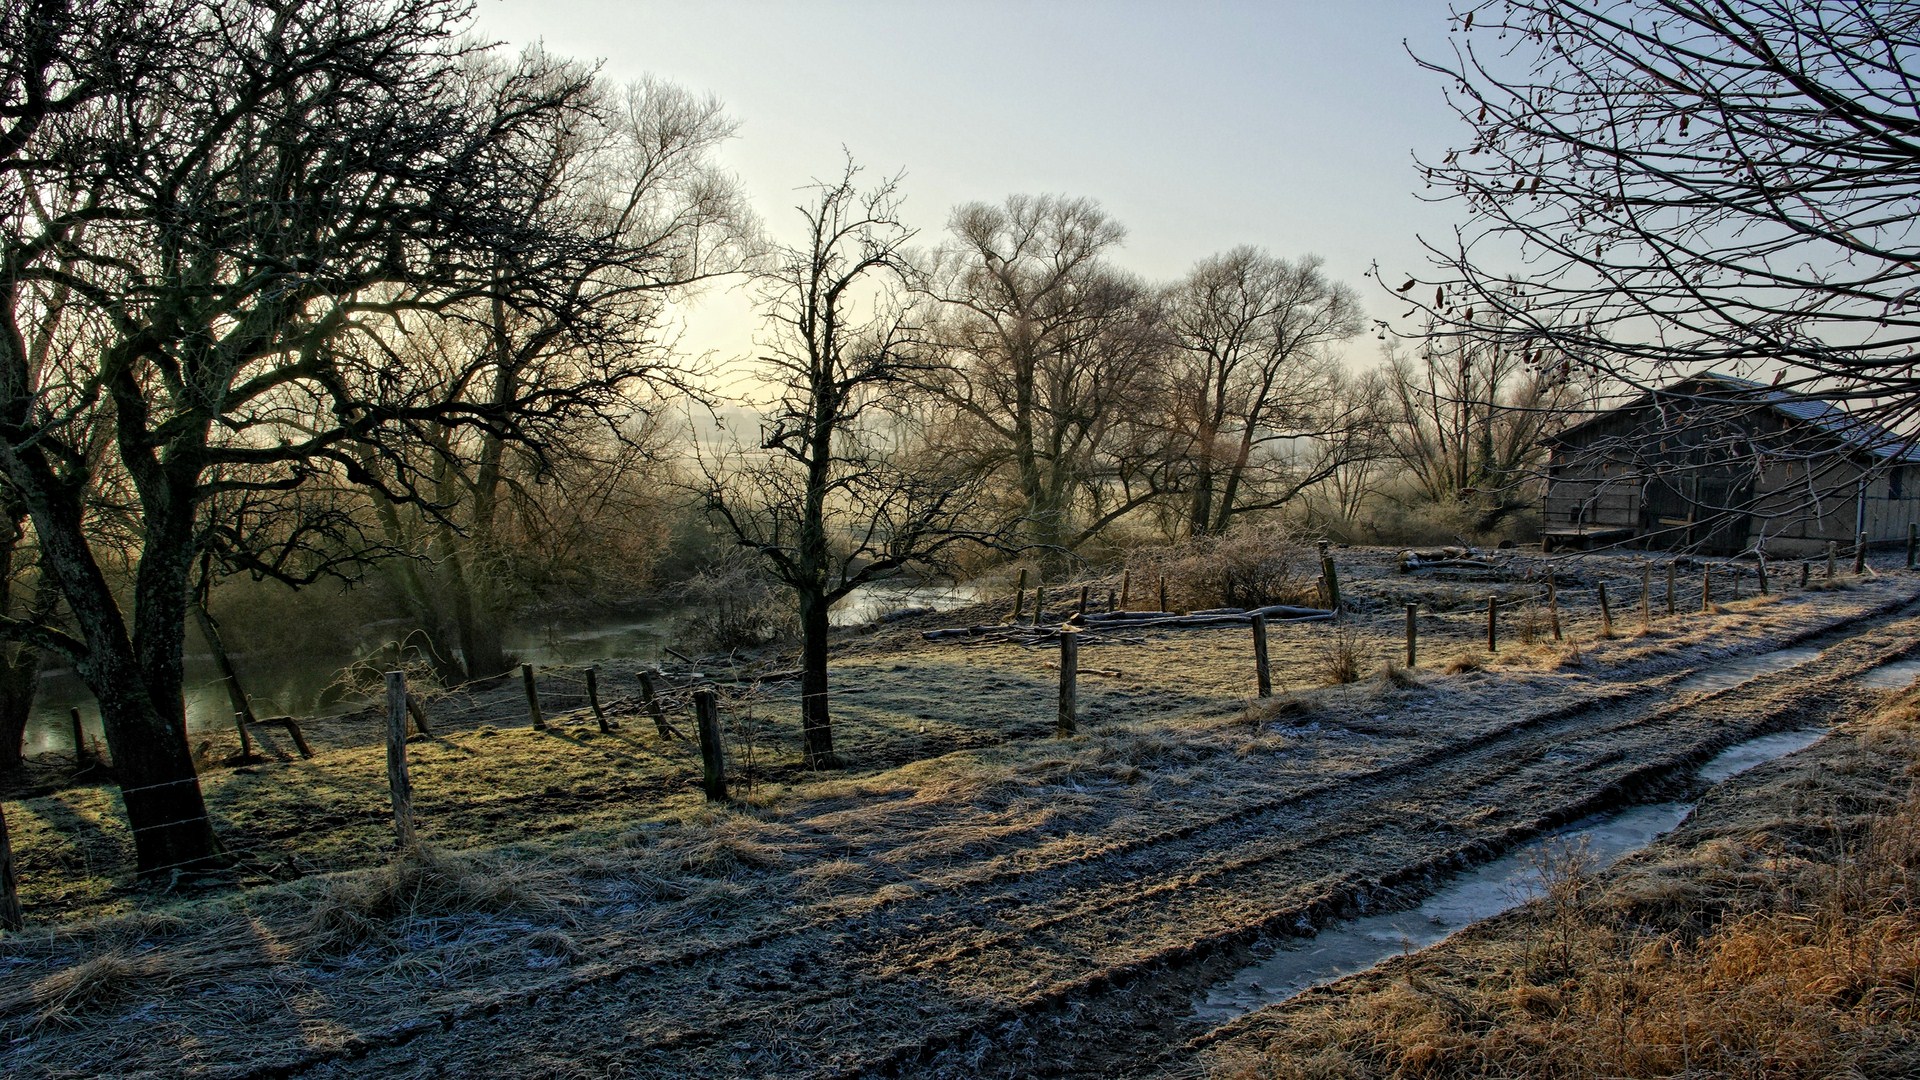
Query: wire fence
{"x": 621, "y": 742}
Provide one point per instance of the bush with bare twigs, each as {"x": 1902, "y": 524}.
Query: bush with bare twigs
{"x": 1249, "y": 566}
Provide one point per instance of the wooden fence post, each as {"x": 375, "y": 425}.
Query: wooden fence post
{"x": 1672, "y": 583}
{"x": 1646, "y": 597}
{"x": 1039, "y": 602}
{"x": 1493, "y": 603}
{"x": 1762, "y": 560}
{"x": 1020, "y": 595}
{"x": 11, "y": 917}
{"x": 1833, "y": 553}
{"x": 1163, "y": 592}
{"x": 1860, "y": 554}
{"x": 713, "y": 762}
{"x": 246, "y": 740}
{"x": 1085, "y": 592}
{"x": 1263, "y": 677}
{"x": 1706, "y": 589}
{"x": 1606, "y": 613}
{"x": 1113, "y": 601}
{"x": 419, "y": 715}
{"x": 1329, "y": 578}
{"x": 593, "y": 699}
{"x": 1069, "y": 680}
{"x": 397, "y": 783}
{"x": 653, "y": 707}
{"x": 1553, "y": 608}
{"x": 1413, "y": 633}
{"x": 1126, "y": 587}
{"x": 82, "y": 754}
{"x": 533, "y": 698}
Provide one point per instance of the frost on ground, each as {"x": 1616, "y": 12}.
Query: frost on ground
{"x": 968, "y": 869}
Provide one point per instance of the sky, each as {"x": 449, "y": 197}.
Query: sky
{"x": 1288, "y": 124}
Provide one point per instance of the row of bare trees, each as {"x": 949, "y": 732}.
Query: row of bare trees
{"x": 1011, "y": 387}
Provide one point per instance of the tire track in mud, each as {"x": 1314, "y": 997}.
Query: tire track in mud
{"x": 973, "y": 933}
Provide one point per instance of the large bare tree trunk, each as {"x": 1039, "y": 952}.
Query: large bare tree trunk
{"x": 816, "y": 723}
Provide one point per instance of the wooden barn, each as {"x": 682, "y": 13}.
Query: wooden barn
{"x": 1721, "y": 465}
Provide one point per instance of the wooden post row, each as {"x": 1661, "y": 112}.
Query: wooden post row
{"x": 1329, "y": 578}
{"x": 1833, "y": 554}
{"x": 1085, "y": 592}
{"x": 1069, "y": 680}
{"x": 533, "y": 698}
{"x": 713, "y": 762}
{"x": 11, "y": 917}
{"x": 1413, "y": 633}
{"x": 82, "y": 754}
{"x": 398, "y": 785}
{"x": 654, "y": 710}
{"x": 1126, "y": 587}
{"x": 1263, "y": 678}
{"x": 593, "y": 699}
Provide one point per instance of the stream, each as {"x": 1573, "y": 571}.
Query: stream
{"x": 1481, "y": 893}
{"x": 298, "y": 685}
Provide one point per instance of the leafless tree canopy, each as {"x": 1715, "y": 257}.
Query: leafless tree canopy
{"x": 1661, "y": 187}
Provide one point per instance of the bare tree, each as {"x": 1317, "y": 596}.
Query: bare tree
{"x": 1053, "y": 352}
{"x": 630, "y": 179}
{"x": 1660, "y": 187}
{"x": 836, "y": 494}
{"x": 1254, "y": 382}
{"x": 1467, "y": 416}
{"x": 246, "y": 200}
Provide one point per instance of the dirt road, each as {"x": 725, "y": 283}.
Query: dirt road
{"x": 1034, "y": 909}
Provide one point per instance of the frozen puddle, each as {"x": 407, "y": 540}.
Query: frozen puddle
{"x": 1895, "y": 676}
{"x": 1481, "y": 893}
{"x": 1734, "y": 672}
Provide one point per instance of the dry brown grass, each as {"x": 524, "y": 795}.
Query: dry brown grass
{"x": 344, "y": 911}
{"x": 1751, "y": 955}
{"x": 1462, "y": 663}
{"x": 1340, "y": 656}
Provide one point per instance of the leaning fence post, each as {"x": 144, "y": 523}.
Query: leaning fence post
{"x": 1263, "y": 677}
{"x": 1860, "y": 554}
{"x": 1020, "y": 595}
{"x": 713, "y": 762}
{"x": 1553, "y": 608}
{"x": 246, "y": 740}
{"x": 533, "y": 697}
{"x": 593, "y": 699}
{"x": 1672, "y": 583}
{"x": 1606, "y": 612}
{"x": 419, "y": 716}
{"x": 11, "y": 917}
{"x": 1413, "y": 632}
{"x": 1646, "y": 597}
{"x": 397, "y": 782}
{"x": 1492, "y": 623}
{"x": 82, "y": 755}
{"x": 1069, "y": 680}
{"x": 653, "y": 707}
{"x": 1329, "y": 578}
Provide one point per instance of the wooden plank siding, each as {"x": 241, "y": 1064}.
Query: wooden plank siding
{"x": 1747, "y": 477}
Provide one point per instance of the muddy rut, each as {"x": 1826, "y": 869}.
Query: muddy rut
{"x": 1086, "y": 962}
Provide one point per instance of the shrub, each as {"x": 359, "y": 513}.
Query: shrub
{"x": 1249, "y": 566}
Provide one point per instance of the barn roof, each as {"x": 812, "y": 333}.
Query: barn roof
{"x": 1855, "y": 432}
